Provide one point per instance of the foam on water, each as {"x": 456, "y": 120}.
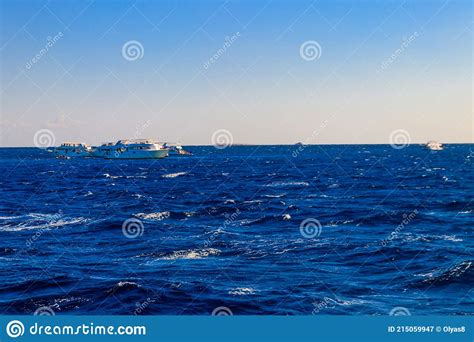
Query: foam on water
{"x": 190, "y": 254}
{"x": 158, "y": 216}
{"x": 174, "y": 175}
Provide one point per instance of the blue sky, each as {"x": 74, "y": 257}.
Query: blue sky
{"x": 381, "y": 66}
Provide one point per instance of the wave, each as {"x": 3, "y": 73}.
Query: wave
{"x": 107, "y": 175}
{"x": 264, "y": 219}
{"x": 465, "y": 211}
{"x": 123, "y": 286}
{"x": 409, "y": 237}
{"x": 158, "y": 216}
{"x": 189, "y": 254}
{"x": 31, "y": 285}
{"x": 460, "y": 273}
{"x": 174, "y": 175}
{"x": 327, "y": 302}
{"x": 275, "y": 196}
{"x": 40, "y": 221}
{"x": 242, "y": 291}
{"x": 163, "y": 215}
{"x": 286, "y": 184}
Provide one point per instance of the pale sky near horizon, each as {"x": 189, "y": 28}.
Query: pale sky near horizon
{"x": 379, "y": 67}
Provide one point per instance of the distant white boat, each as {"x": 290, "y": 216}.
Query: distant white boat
{"x": 131, "y": 149}
{"x": 103, "y": 150}
{"x": 434, "y": 146}
{"x": 71, "y": 149}
{"x": 176, "y": 149}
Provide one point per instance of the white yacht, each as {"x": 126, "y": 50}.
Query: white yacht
{"x": 131, "y": 149}
{"x": 71, "y": 149}
{"x": 176, "y": 149}
{"x": 103, "y": 150}
{"x": 434, "y": 146}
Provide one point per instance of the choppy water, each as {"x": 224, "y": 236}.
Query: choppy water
{"x": 222, "y": 229}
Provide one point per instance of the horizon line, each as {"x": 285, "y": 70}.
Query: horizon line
{"x": 280, "y": 144}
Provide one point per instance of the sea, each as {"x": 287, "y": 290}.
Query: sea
{"x": 242, "y": 230}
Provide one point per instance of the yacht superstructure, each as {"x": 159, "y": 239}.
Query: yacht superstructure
{"x": 131, "y": 149}
{"x": 71, "y": 149}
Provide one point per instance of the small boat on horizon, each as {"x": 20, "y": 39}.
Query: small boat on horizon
{"x": 434, "y": 145}
{"x": 176, "y": 149}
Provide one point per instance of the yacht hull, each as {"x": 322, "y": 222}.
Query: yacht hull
{"x": 138, "y": 155}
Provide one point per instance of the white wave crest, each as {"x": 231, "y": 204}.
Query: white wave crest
{"x": 154, "y": 216}
{"x": 190, "y": 254}
{"x": 283, "y": 184}
{"x": 242, "y": 291}
{"x": 174, "y": 175}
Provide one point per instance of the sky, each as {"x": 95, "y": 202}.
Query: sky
{"x": 263, "y": 72}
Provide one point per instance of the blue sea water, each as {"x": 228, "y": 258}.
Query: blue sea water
{"x": 298, "y": 230}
